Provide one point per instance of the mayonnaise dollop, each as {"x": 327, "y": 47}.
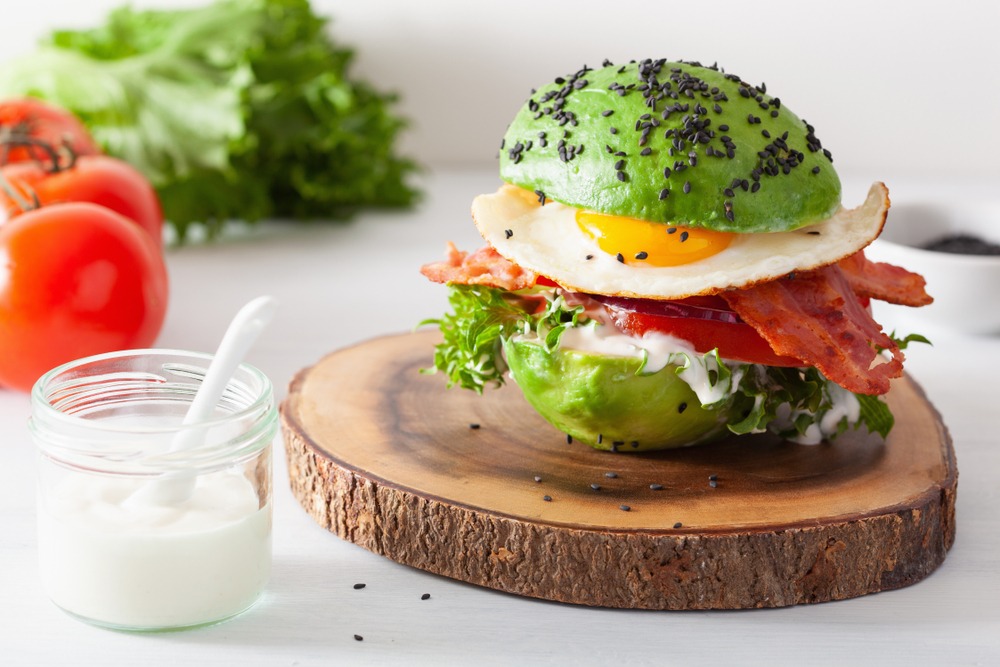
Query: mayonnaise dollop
{"x": 151, "y": 566}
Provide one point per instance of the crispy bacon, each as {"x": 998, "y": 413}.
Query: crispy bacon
{"x": 886, "y": 282}
{"x": 816, "y": 317}
{"x": 482, "y": 267}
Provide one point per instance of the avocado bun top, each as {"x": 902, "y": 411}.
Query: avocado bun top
{"x": 671, "y": 142}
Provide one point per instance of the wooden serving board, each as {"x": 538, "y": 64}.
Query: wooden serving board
{"x": 388, "y": 458}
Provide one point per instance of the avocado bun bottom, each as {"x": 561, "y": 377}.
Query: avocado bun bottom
{"x": 605, "y": 402}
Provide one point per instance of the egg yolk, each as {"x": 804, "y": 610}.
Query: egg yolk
{"x": 638, "y": 242}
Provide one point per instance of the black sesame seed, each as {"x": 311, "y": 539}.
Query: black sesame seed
{"x": 815, "y": 170}
{"x": 656, "y": 487}
{"x": 508, "y": 232}
{"x": 646, "y": 151}
{"x": 671, "y": 230}
{"x": 684, "y": 236}
{"x": 682, "y": 407}
{"x": 664, "y": 193}
{"x": 595, "y": 487}
{"x": 358, "y": 638}
{"x": 621, "y": 176}
{"x": 728, "y": 192}
{"x": 613, "y": 130}
{"x": 624, "y": 508}
{"x": 569, "y": 439}
{"x": 713, "y": 483}
{"x": 813, "y": 233}
{"x": 678, "y": 525}
{"x": 713, "y": 477}
{"x": 641, "y": 255}
{"x": 425, "y": 596}
{"x": 730, "y": 215}
{"x": 687, "y": 187}
{"x": 620, "y": 165}
{"x": 620, "y": 258}
{"x": 474, "y": 427}
{"x": 358, "y": 587}
{"x": 547, "y": 499}
{"x": 589, "y": 257}
{"x": 755, "y": 187}
{"x": 723, "y": 128}
{"x": 600, "y": 438}
{"x": 611, "y": 475}
{"x": 607, "y": 112}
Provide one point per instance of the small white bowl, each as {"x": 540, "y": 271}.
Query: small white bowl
{"x": 966, "y": 288}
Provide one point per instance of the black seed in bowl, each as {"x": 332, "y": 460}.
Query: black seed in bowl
{"x": 962, "y": 244}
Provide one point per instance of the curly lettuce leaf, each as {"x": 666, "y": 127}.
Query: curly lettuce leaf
{"x": 481, "y": 318}
{"x": 241, "y": 109}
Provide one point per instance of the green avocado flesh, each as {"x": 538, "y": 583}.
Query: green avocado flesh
{"x": 603, "y": 402}
{"x": 738, "y": 159}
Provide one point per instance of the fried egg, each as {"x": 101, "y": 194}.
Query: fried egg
{"x": 591, "y": 252}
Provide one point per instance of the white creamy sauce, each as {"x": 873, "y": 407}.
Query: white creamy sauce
{"x": 843, "y": 404}
{"x": 658, "y": 349}
{"x": 151, "y": 566}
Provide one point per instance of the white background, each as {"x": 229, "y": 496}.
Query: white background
{"x": 892, "y": 87}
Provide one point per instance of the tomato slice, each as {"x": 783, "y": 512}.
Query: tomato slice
{"x": 704, "y": 321}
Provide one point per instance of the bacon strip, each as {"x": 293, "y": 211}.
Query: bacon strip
{"x": 816, "y": 317}
{"x": 885, "y": 282}
{"x": 482, "y": 267}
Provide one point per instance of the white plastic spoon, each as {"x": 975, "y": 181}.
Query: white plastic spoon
{"x": 243, "y": 331}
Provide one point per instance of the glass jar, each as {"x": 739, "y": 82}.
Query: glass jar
{"x": 145, "y": 524}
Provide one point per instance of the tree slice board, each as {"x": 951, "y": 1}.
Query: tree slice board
{"x": 482, "y": 489}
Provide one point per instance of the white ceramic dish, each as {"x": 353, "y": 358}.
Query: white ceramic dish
{"x": 966, "y": 288}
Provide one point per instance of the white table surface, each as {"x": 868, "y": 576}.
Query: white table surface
{"x": 341, "y": 284}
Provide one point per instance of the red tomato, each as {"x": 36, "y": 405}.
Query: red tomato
{"x": 28, "y": 118}
{"x": 98, "y": 179}
{"x": 705, "y": 322}
{"x": 75, "y": 279}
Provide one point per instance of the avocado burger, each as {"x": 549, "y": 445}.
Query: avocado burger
{"x": 668, "y": 261}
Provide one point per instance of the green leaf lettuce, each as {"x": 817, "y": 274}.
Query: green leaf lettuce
{"x": 241, "y": 109}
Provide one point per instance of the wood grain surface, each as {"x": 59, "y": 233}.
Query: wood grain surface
{"x": 482, "y": 489}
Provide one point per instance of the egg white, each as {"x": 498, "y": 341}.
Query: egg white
{"x": 547, "y": 240}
